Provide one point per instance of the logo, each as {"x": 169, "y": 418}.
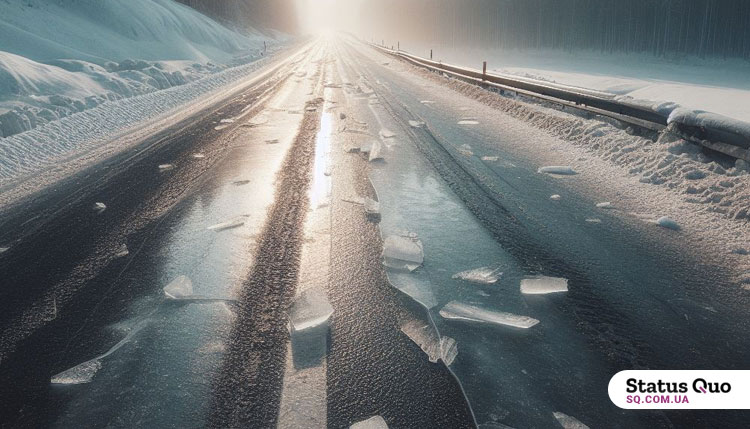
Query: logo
{"x": 653, "y": 389}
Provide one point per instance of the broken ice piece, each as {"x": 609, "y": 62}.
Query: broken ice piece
{"x": 179, "y": 288}
{"x": 434, "y": 346}
{"x": 375, "y": 422}
{"x": 468, "y": 121}
{"x": 227, "y": 121}
{"x": 605, "y": 205}
{"x": 272, "y": 141}
{"x": 416, "y": 124}
{"x": 540, "y": 285}
{"x": 165, "y": 167}
{"x": 404, "y": 253}
{"x": 220, "y": 127}
{"x": 593, "y": 220}
{"x": 455, "y": 310}
{"x": 234, "y": 223}
{"x": 555, "y": 197}
{"x": 198, "y": 156}
{"x": 562, "y": 170}
{"x": 79, "y": 374}
{"x": 122, "y": 251}
{"x": 4, "y": 249}
{"x": 490, "y": 158}
{"x": 372, "y": 209}
{"x": 99, "y": 207}
{"x": 483, "y": 275}
{"x": 376, "y": 150}
{"x": 309, "y": 325}
{"x": 386, "y": 133}
{"x": 427, "y": 102}
{"x": 668, "y": 223}
{"x": 465, "y": 150}
{"x": 568, "y": 422}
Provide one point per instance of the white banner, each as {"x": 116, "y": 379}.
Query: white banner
{"x": 656, "y": 389}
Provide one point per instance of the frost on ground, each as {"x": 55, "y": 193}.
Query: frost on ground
{"x": 468, "y": 313}
{"x": 542, "y": 285}
{"x": 483, "y": 275}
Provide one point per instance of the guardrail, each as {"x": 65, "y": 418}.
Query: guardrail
{"x": 730, "y": 140}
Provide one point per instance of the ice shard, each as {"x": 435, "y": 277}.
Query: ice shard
{"x": 179, "y": 288}
{"x": 540, "y": 285}
{"x": 122, "y": 251}
{"x": 403, "y": 252}
{"x": 561, "y": 170}
{"x": 234, "y": 223}
{"x": 568, "y": 422}
{"x": 483, "y": 275}
{"x": 435, "y": 346}
{"x": 79, "y": 374}
{"x": 455, "y": 310}
{"x": 100, "y": 207}
{"x": 669, "y": 223}
{"x": 309, "y": 321}
{"x": 375, "y": 422}
{"x": 372, "y": 209}
{"x": 376, "y": 151}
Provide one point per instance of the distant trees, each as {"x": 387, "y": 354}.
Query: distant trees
{"x": 705, "y": 28}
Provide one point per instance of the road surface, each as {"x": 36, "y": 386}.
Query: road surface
{"x": 257, "y": 199}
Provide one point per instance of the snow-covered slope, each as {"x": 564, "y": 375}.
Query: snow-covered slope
{"x": 60, "y": 57}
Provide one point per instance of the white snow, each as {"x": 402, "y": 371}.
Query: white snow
{"x": 562, "y": 170}
{"x": 568, "y": 422}
{"x": 179, "y": 288}
{"x": 483, "y": 275}
{"x": 403, "y": 252}
{"x": 375, "y": 422}
{"x": 455, "y": 310}
{"x": 540, "y": 285}
{"x": 668, "y": 223}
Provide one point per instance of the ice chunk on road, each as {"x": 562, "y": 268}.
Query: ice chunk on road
{"x": 455, "y": 310}
{"x": 427, "y": 102}
{"x": 468, "y": 121}
{"x": 79, "y": 374}
{"x": 4, "y": 249}
{"x": 605, "y": 205}
{"x": 375, "y": 422}
{"x": 385, "y": 133}
{"x": 400, "y": 252}
{"x": 561, "y": 170}
{"x": 227, "y": 121}
{"x": 465, "y": 150}
{"x": 179, "y": 288}
{"x": 414, "y": 287}
{"x": 483, "y": 275}
{"x": 376, "y": 151}
{"x": 372, "y": 207}
{"x": 593, "y": 220}
{"x": 668, "y": 223}
{"x": 198, "y": 155}
{"x": 555, "y": 197}
{"x": 309, "y": 321}
{"x": 100, "y": 207}
{"x": 568, "y": 422}
{"x": 234, "y": 223}
{"x": 430, "y": 342}
{"x": 541, "y": 285}
{"x": 165, "y": 167}
{"x": 416, "y": 124}
{"x": 122, "y": 251}
{"x": 491, "y": 158}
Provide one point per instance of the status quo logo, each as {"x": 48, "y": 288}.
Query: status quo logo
{"x": 711, "y": 389}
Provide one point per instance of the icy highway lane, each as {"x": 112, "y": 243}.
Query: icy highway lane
{"x": 351, "y": 238}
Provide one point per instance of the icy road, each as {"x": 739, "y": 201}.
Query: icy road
{"x": 348, "y": 237}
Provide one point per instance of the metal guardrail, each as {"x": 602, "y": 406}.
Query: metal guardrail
{"x": 725, "y": 140}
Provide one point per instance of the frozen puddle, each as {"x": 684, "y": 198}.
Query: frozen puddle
{"x": 559, "y": 170}
{"x": 468, "y": 313}
{"x": 568, "y": 422}
{"x": 403, "y": 252}
{"x": 375, "y": 422}
{"x": 234, "y": 223}
{"x": 542, "y": 285}
{"x": 483, "y": 275}
{"x": 85, "y": 372}
{"x": 309, "y": 328}
{"x": 430, "y": 342}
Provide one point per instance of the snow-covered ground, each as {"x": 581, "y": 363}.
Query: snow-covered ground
{"x": 61, "y": 58}
{"x": 712, "y": 85}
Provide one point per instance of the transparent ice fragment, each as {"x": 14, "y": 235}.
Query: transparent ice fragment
{"x": 372, "y": 207}
{"x": 668, "y": 223}
{"x": 455, "y": 310}
{"x": 468, "y": 121}
{"x": 541, "y": 285}
{"x": 491, "y": 158}
{"x": 386, "y": 133}
{"x": 122, "y": 251}
{"x": 179, "y": 288}
{"x": 4, "y": 249}
{"x": 198, "y": 155}
{"x": 563, "y": 170}
{"x": 79, "y": 374}
{"x": 165, "y": 167}
{"x": 483, "y": 275}
{"x": 403, "y": 252}
{"x": 309, "y": 321}
{"x": 310, "y": 309}
{"x": 555, "y": 197}
{"x": 375, "y": 422}
{"x": 234, "y": 223}
{"x": 99, "y": 207}
{"x": 605, "y": 205}
{"x": 416, "y": 124}
{"x": 376, "y": 151}
{"x": 568, "y": 422}
{"x": 430, "y": 342}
